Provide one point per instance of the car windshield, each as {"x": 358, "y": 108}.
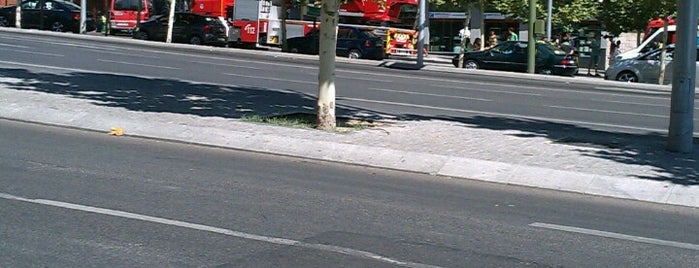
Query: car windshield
{"x": 369, "y": 33}
{"x": 69, "y": 5}
{"x": 126, "y": 4}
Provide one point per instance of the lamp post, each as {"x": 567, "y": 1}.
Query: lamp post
{"x": 548, "y": 21}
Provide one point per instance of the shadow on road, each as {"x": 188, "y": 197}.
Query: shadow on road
{"x": 173, "y": 96}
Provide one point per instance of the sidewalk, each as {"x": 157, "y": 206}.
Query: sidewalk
{"x": 533, "y": 153}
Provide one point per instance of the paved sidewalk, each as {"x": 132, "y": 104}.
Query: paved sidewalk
{"x": 531, "y": 153}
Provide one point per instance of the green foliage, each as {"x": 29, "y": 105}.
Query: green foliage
{"x": 633, "y": 15}
{"x": 616, "y": 15}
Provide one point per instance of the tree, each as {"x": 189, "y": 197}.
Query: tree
{"x": 325, "y": 108}
{"x": 620, "y": 16}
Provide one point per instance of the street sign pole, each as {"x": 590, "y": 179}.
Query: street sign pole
{"x": 680, "y": 134}
{"x": 531, "y": 51}
{"x": 421, "y": 32}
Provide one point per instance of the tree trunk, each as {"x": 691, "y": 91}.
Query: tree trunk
{"x": 283, "y": 15}
{"x": 329, "y": 16}
{"x": 170, "y": 22}
{"x": 663, "y": 45}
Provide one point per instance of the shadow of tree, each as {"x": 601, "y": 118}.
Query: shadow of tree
{"x": 200, "y": 99}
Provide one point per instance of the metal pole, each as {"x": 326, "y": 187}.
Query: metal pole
{"x": 531, "y": 51}
{"x": 83, "y": 15}
{"x": 680, "y": 134}
{"x": 421, "y": 32}
{"x": 548, "y": 21}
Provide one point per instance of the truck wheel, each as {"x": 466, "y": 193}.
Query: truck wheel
{"x": 355, "y": 54}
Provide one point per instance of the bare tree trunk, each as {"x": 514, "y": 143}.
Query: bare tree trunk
{"x": 170, "y": 22}
{"x": 283, "y": 15}
{"x": 329, "y": 16}
{"x": 661, "y": 76}
{"x": 18, "y": 15}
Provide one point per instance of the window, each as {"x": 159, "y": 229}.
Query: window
{"x": 32, "y": 4}
{"x": 126, "y": 5}
{"x": 345, "y": 33}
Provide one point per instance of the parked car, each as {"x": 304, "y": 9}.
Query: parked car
{"x": 512, "y": 56}
{"x": 644, "y": 68}
{"x": 352, "y": 42}
{"x": 54, "y": 15}
{"x": 188, "y": 28}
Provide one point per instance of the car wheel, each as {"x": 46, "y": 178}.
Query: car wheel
{"x": 195, "y": 40}
{"x": 545, "y": 71}
{"x": 4, "y": 22}
{"x": 58, "y": 27}
{"x": 294, "y": 50}
{"x": 471, "y": 64}
{"x": 355, "y": 54}
{"x": 141, "y": 35}
{"x": 627, "y": 76}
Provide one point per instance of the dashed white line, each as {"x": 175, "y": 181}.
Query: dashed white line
{"x": 616, "y": 235}
{"x": 273, "y": 79}
{"x": 138, "y": 64}
{"x": 606, "y": 111}
{"x": 206, "y": 228}
{"x": 427, "y": 94}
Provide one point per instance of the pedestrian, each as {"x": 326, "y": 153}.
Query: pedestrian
{"x": 476, "y": 44}
{"x": 492, "y": 39}
{"x": 511, "y": 35}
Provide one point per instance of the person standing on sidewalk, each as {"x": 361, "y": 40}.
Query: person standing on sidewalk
{"x": 511, "y": 35}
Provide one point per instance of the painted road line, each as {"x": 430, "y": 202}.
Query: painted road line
{"x": 427, "y": 94}
{"x": 379, "y": 80}
{"x": 487, "y": 90}
{"x": 616, "y": 235}
{"x": 138, "y": 64}
{"x": 38, "y": 53}
{"x": 15, "y": 46}
{"x": 634, "y": 103}
{"x": 607, "y": 111}
{"x": 200, "y": 227}
{"x": 272, "y": 78}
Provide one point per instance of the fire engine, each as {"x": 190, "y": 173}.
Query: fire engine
{"x": 256, "y": 23}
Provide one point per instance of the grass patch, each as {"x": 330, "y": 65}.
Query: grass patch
{"x": 305, "y": 120}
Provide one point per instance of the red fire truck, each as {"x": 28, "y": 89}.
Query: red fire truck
{"x": 256, "y": 23}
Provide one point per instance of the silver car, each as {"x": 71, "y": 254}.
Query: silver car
{"x": 644, "y": 68}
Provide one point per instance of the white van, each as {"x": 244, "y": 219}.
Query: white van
{"x": 651, "y": 43}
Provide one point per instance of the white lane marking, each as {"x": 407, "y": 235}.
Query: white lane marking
{"x": 272, "y": 78}
{"x": 138, "y": 64}
{"x": 206, "y": 228}
{"x": 616, "y": 235}
{"x": 632, "y": 103}
{"x": 15, "y": 46}
{"x": 37, "y": 40}
{"x": 488, "y": 90}
{"x": 363, "y": 79}
{"x": 39, "y": 53}
{"x": 638, "y": 90}
{"x": 427, "y": 94}
{"x": 231, "y": 65}
{"x": 553, "y": 120}
{"x": 606, "y": 111}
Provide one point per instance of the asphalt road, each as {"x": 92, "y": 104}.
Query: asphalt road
{"x": 282, "y": 84}
{"x": 71, "y": 198}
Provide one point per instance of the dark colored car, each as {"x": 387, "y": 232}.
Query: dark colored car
{"x": 352, "y": 42}
{"x": 54, "y": 15}
{"x": 188, "y": 28}
{"x": 512, "y": 56}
